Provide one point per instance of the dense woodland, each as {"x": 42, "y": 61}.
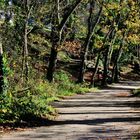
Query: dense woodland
{"x": 53, "y": 48}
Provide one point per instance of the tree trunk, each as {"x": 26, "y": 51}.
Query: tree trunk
{"x": 25, "y": 63}
{"x": 91, "y": 28}
{"x": 1, "y": 70}
{"x": 115, "y": 72}
{"x": 109, "y": 50}
{"x": 95, "y": 71}
{"x": 25, "y": 56}
{"x": 107, "y": 57}
{"x": 101, "y": 49}
{"x": 52, "y": 64}
{"x": 116, "y": 76}
{"x": 55, "y": 39}
{"x": 105, "y": 72}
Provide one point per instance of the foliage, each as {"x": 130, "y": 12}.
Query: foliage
{"x": 66, "y": 86}
{"x": 36, "y": 98}
{"x": 63, "y": 56}
{"x": 31, "y": 101}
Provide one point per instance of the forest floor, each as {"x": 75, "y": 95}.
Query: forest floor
{"x": 109, "y": 114}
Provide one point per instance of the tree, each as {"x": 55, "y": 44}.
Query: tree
{"x": 2, "y": 5}
{"x": 92, "y": 23}
{"x": 56, "y": 33}
{"x": 25, "y": 19}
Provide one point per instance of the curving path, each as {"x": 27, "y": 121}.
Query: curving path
{"x": 110, "y": 114}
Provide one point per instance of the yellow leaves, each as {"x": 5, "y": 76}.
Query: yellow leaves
{"x": 116, "y": 46}
{"x": 3, "y": 111}
{"x": 135, "y": 38}
{"x": 131, "y": 3}
{"x": 113, "y": 6}
{"x": 106, "y": 13}
{"x": 105, "y": 29}
{"x": 37, "y": 38}
{"x": 133, "y": 24}
{"x": 14, "y": 65}
{"x": 119, "y": 32}
{"x": 99, "y": 44}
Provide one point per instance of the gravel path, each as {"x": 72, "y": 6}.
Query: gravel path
{"x": 110, "y": 114}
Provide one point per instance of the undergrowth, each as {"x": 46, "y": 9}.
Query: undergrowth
{"x": 66, "y": 86}
{"x": 35, "y": 99}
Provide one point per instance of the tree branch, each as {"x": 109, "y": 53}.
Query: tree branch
{"x": 68, "y": 13}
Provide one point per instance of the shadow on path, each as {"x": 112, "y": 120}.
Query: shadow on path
{"x": 96, "y": 121}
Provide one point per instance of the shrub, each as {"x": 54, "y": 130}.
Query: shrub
{"x": 34, "y": 101}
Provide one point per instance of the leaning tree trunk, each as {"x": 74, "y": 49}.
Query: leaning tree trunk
{"x": 107, "y": 57}
{"x": 95, "y": 70}
{"x": 109, "y": 50}
{"x": 91, "y": 28}
{"x": 98, "y": 58}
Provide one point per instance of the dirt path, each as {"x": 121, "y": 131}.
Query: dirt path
{"x": 106, "y": 115}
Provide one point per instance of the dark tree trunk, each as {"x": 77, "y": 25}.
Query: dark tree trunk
{"x": 55, "y": 39}
{"x": 97, "y": 62}
{"x": 1, "y": 71}
{"x": 83, "y": 59}
{"x": 95, "y": 71}
{"x": 91, "y": 28}
{"x": 105, "y": 72}
{"x": 52, "y": 64}
{"x": 107, "y": 57}
{"x": 109, "y": 50}
{"x": 116, "y": 76}
{"x": 115, "y": 72}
